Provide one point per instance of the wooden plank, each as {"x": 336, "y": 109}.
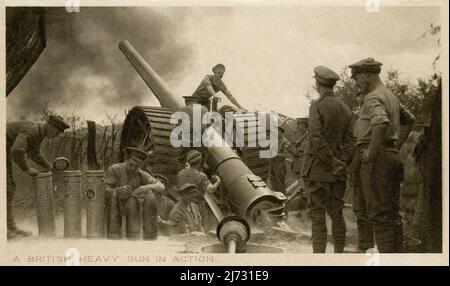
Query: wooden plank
{"x": 162, "y": 126}
{"x": 165, "y": 149}
{"x": 161, "y": 132}
{"x": 161, "y": 120}
{"x": 261, "y": 170}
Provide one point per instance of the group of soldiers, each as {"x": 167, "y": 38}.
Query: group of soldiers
{"x": 333, "y": 149}
{"x": 337, "y": 149}
{"x": 131, "y": 182}
{"x": 135, "y": 185}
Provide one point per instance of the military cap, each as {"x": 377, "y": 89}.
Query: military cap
{"x": 136, "y": 154}
{"x": 368, "y": 65}
{"x": 218, "y": 66}
{"x": 193, "y": 156}
{"x": 302, "y": 120}
{"x": 162, "y": 178}
{"x": 186, "y": 187}
{"x": 58, "y": 122}
{"x": 325, "y": 76}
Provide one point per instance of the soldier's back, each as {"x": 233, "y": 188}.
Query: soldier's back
{"x": 335, "y": 118}
{"x": 14, "y": 128}
{"x": 195, "y": 177}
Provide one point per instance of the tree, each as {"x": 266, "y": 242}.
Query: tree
{"x": 347, "y": 90}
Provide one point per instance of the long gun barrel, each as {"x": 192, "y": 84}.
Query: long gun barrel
{"x": 248, "y": 194}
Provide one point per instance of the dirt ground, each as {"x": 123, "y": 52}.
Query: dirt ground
{"x": 298, "y": 221}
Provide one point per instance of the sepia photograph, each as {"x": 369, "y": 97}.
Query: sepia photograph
{"x": 225, "y": 133}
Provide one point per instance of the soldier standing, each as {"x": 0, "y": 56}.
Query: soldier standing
{"x": 212, "y": 84}
{"x": 382, "y": 127}
{"x": 23, "y": 139}
{"x": 299, "y": 147}
{"x": 330, "y": 147}
{"x": 193, "y": 174}
{"x": 278, "y": 168}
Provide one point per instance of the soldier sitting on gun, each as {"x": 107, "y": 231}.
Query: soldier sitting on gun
{"x": 164, "y": 204}
{"x": 185, "y": 216}
{"x": 131, "y": 185}
{"x": 212, "y": 84}
{"x": 23, "y": 139}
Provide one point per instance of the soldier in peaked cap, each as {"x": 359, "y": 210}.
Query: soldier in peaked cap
{"x": 132, "y": 185}
{"x": 23, "y": 140}
{"x": 382, "y": 127}
{"x": 329, "y": 147}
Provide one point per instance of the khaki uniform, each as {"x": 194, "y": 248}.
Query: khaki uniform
{"x": 278, "y": 167}
{"x": 116, "y": 176}
{"x": 330, "y": 136}
{"x": 299, "y": 148}
{"x": 199, "y": 179}
{"x": 165, "y": 206}
{"x": 377, "y": 183}
{"x": 185, "y": 219}
{"x": 207, "y": 88}
{"x": 23, "y": 139}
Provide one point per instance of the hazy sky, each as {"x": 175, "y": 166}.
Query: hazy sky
{"x": 269, "y": 53}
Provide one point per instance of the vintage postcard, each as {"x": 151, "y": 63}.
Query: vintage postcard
{"x": 236, "y": 133}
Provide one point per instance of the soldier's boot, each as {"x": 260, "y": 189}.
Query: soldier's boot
{"x": 399, "y": 238}
{"x": 10, "y": 207}
{"x": 365, "y": 236}
{"x": 319, "y": 232}
{"x": 16, "y": 233}
{"x": 12, "y": 230}
{"x": 338, "y": 230}
{"x": 150, "y": 217}
{"x": 385, "y": 238}
{"x": 133, "y": 222}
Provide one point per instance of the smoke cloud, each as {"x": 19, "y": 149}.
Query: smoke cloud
{"x": 83, "y": 72}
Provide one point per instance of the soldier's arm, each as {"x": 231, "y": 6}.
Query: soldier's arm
{"x": 178, "y": 223}
{"x": 19, "y": 152}
{"x": 224, "y": 90}
{"x": 318, "y": 142}
{"x": 206, "y": 185}
{"x": 151, "y": 182}
{"x": 196, "y": 213}
{"x": 207, "y": 82}
{"x": 379, "y": 122}
{"x": 406, "y": 125}
{"x": 287, "y": 147}
{"x": 36, "y": 156}
{"x": 110, "y": 181}
{"x": 348, "y": 143}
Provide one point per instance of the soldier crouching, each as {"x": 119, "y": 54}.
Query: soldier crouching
{"x": 185, "y": 216}
{"x": 127, "y": 187}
